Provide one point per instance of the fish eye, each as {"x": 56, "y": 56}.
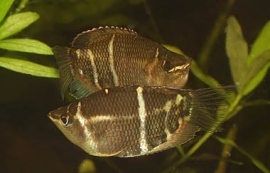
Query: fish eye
{"x": 65, "y": 119}
{"x": 168, "y": 66}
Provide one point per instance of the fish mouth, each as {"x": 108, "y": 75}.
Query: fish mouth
{"x": 50, "y": 115}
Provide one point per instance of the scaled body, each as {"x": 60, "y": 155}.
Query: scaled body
{"x": 134, "y": 121}
{"x": 108, "y": 57}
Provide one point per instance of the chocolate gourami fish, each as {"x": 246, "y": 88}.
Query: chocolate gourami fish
{"x": 133, "y": 121}
{"x": 111, "y": 56}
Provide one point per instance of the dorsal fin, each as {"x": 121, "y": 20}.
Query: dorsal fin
{"x": 95, "y": 35}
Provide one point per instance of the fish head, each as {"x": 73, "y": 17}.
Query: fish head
{"x": 71, "y": 123}
{"x": 171, "y": 69}
{"x": 77, "y": 128}
{"x": 176, "y": 69}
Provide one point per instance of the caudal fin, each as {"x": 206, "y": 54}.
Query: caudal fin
{"x": 209, "y": 106}
{"x": 64, "y": 64}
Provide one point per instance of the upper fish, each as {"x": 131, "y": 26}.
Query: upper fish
{"x": 134, "y": 121}
{"x": 110, "y": 56}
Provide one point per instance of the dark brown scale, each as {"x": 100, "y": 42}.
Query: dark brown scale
{"x": 110, "y": 133}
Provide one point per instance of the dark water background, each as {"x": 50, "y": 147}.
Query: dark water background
{"x": 30, "y": 143}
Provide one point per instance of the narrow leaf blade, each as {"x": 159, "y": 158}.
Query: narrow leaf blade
{"x": 173, "y": 48}
{"x": 26, "y": 45}
{"x": 237, "y": 51}
{"x": 27, "y": 67}
{"x": 208, "y": 80}
{"x": 17, "y": 22}
{"x": 4, "y": 7}
{"x": 261, "y": 44}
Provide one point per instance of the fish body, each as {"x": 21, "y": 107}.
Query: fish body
{"x": 110, "y": 56}
{"x": 138, "y": 120}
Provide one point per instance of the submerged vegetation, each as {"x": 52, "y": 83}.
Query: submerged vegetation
{"x": 248, "y": 66}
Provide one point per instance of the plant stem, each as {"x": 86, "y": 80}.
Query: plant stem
{"x": 225, "y": 154}
{"x": 216, "y": 30}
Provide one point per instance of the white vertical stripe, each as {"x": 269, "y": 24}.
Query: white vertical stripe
{"x": 94, "y": 68}
{"x": 91, "y": 145}
{"x": 178, "y": 99}
{"x": 111, "y": 60}
{"x": 142, "y": 115}
{"x": 78, "y": 53}
{"x": 83, "y": 121}
{"x": 167, "y": 107}
{"x": 157, "y": 53}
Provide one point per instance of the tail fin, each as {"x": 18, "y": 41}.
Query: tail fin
{"x": 209, "y": 106}
{"x": 64, "y": 64}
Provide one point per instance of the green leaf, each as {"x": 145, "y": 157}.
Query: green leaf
{"x": 237, "y": 51}
{"x": 261, "y": 44}
{"x": 256, "y": 72}
{"x": 257, "y": 102}
{"x": 17, "y": 22}
{"x": 4, "y": 7}
{"x": 26, "y": 45}
{"x": 208, "y": 80}
{"x": 27, "y": 67}
{"x": 173, "y": 49}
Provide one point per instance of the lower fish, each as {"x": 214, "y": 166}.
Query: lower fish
{"x": 134, "y": 121}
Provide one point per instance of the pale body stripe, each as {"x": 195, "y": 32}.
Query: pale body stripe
{"x": 178, "y": 99}
{"x": 83, "y": 121}
{"x": 167, "y": 107}
{"x": 142, "y": 115}
{"x": 111, "y": 61}
{"x": 157, "y": 53}
{"x": 78, "y": 53}
{"x": 100, "y": 118}
{"x": 95, "y": 73}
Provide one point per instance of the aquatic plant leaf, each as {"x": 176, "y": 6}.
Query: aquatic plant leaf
{"x": 256, "y": 162}
{"x": 26, "y": 45}
{"x": 237, "y": 51}
{"x": 261, "y": 44}
{"x": 27, "y": 67}
{"x": 4, "y": 7}
{"x": 256, "y": 72}
{"x": 257, "y": 102}
{"x": 17, "y": 22}
{"x": 173, "y": 49}
{"x": 208, "y": 80}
